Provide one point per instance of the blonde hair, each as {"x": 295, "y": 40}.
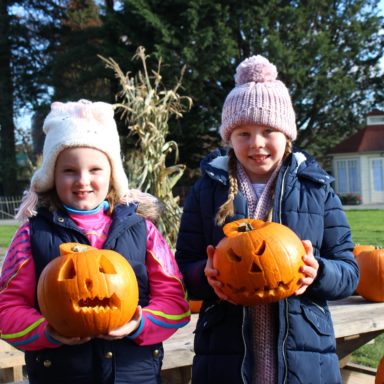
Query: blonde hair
{"x": 32, "y": 200}
{"x": 227, "y": 208}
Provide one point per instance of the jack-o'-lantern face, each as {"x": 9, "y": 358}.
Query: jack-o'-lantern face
{"x": 86, "y": 291}
{"x": 258, "y": 262}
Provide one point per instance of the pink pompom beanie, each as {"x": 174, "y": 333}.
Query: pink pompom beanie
{"x": 77, "y": 124}
{"x": 258, "y": 98}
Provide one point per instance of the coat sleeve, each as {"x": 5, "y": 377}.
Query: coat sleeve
{"x": 21, "y": 324}
{"x": 168, "y": 308}
{"x": 338, "y": 273}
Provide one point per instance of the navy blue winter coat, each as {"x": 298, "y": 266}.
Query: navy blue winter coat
{"x": 97, "y": 361}
{"x": 306, "y": 347}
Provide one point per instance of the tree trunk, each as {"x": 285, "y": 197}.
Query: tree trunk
{"x": 8, "y": 167}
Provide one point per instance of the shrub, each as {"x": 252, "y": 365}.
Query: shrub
{"x": 350, "y": 199}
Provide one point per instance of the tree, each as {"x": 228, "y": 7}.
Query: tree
{"x": 7, "y": 128}
{"x": 77, "y": 70}
{"x": 24, "y": 30}
{"x": 327, "y": 52}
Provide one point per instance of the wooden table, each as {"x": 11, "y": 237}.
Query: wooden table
{"x": 356, "y": 321}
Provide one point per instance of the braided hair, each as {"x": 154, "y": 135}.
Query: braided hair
{"x": 227, "y": 208}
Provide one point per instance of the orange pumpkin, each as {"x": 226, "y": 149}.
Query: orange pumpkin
{"x": 258, "y": 262}
{"x": 195, "y": 305}
{"x": 379, "y": 378}
{"x": 87, "y": 291}
{"x": 362, "y": 248}
{"x": 371, "y": 283}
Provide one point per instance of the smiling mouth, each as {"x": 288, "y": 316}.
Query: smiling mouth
{"x": 82, "y": 193}
{"x": 259, "y": 157}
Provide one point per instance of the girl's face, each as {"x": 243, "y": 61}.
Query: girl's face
{"x": 82, "y": 177}
{"x": 259, "y": 149}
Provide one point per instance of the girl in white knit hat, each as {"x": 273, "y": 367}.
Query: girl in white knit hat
{"x": 260, "y": 175}
{"x": 80, "y": 194}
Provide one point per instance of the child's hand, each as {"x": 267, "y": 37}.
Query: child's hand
{"x": 309, "y": 269}
{"x": 211, "y": 274}
{"x": 66, "y": 340}
{"x": 125, "y": 329}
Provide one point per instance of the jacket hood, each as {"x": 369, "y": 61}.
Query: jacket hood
{"x": 148, "y": 205}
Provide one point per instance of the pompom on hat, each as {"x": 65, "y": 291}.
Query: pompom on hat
{"x": 258, "y": 98}
{"x": 77, "y": 124}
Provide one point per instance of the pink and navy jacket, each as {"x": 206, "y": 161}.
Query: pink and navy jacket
{"x": 161, "y": 294}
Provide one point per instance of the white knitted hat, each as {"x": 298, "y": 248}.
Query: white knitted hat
{"x": 258, "y": 98}
{"x": 75, "y": 124}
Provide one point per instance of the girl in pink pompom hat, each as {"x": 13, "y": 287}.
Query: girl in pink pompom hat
{"x": 260, "y": 175}
{"x": 80, "y": 195}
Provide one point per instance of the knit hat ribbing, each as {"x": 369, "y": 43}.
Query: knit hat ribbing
{"x": 75, "y": 124}
{"x": 258, "y": 98}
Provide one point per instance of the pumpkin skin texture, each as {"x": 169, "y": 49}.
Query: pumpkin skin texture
{"x": 379, "y": 378}
{"x": 362, "y": 248}
{"x": 87, "y": 292}
{"x": 371, "y": 282}
{"x": 260, "y": 264}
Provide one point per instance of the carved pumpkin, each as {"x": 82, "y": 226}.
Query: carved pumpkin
{"x": 379, "y": 379}
{"x": 87, "y": 291}
{"x": 258, "y": 262}
{"x": 371, "y": 283}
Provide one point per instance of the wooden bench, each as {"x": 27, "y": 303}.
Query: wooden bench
{"x": 11, "y": 363}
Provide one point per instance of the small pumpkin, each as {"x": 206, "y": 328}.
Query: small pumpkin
{"x": 195, "y": 305}
{"x": 371, "y": 282}
{"x": 379, "y": 378}
{"x": 258, "y": 262}
{"x": 87, "y": 291}
{"x": 362, "y": 248}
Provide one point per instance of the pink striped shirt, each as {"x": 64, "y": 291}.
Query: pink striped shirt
{"x": 25, "y": 328}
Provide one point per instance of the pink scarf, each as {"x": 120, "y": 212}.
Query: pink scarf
{"x": 258, "y": 206}
{"x": 263, "y": 316}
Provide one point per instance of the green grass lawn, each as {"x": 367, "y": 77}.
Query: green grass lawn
{"x": 367, "y": 228}
{"x": 6, "y": 233}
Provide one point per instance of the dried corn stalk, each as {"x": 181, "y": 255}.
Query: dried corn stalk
{"x": 146, "y": 107}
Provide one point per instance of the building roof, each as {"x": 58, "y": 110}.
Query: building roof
{"x": 368, "y": 139}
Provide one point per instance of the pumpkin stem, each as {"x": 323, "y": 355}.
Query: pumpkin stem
{"x": 79, "y": 248}
{"x": 245, "y": 227}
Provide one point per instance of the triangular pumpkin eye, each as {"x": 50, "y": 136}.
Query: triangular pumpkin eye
{"x": 255, "y": 268}
{"x": 261, "y": 248}
{"x": 106, "y": 266}
{"x": 67, "y": 271}
{"x": 232, "y": 256}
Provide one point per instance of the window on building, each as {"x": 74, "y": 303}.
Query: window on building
{"x": 377, "y": 172}
{"x": 347, "y": 176}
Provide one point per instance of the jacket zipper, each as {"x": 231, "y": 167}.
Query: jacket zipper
{"x": 245, "y": 347}
{"x": 286, "y": 301}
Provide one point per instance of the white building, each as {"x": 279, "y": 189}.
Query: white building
{"x": 358, "y": 162}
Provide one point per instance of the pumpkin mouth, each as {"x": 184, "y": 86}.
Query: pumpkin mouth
{"x": 98, "y": 303}
{"x": 265, "y": 292}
